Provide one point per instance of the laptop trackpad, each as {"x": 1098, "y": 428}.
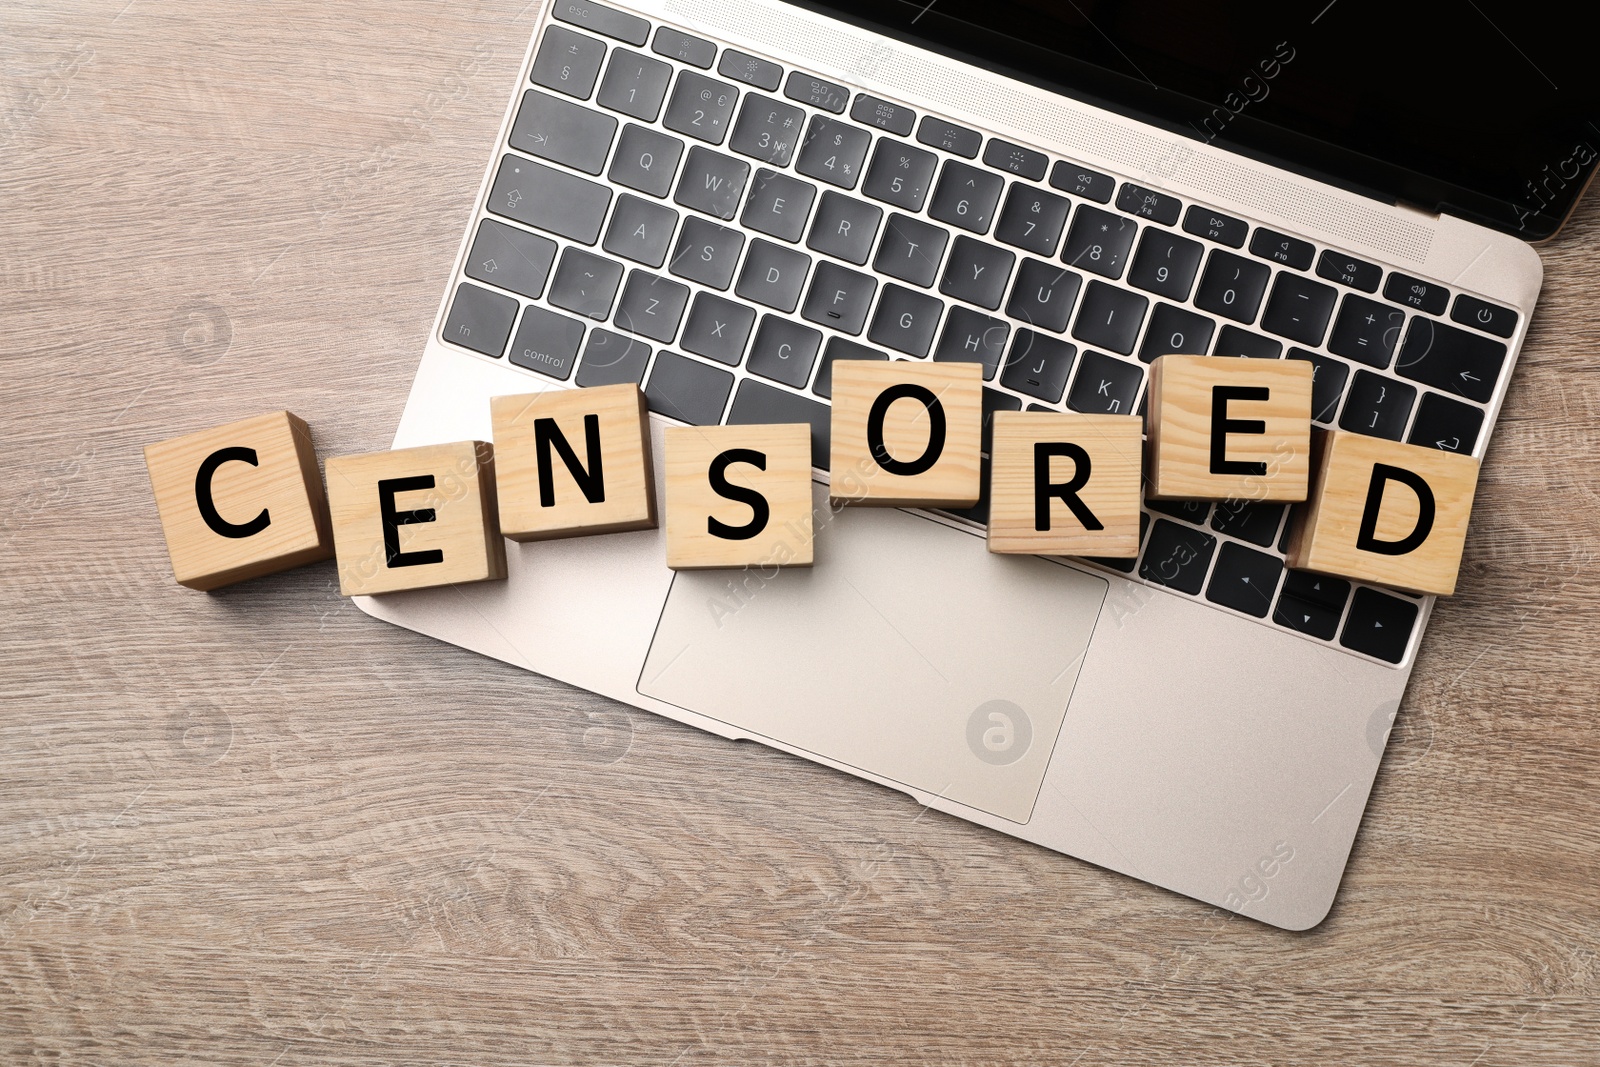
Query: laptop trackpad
{"x": 908, "y": 651}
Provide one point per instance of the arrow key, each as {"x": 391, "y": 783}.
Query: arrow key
{"x": 1244, "y": 579}
{"x": 1379, "y": 625}
{"x": 1446, "y": 424}
{"x": 1311, "y": 604}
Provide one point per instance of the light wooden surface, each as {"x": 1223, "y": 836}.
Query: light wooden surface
{"x": 259, "y": 827}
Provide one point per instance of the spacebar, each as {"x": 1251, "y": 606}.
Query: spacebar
{"x": 757, "y": 403}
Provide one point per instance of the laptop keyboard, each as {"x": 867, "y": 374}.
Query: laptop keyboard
{"x": 721, "y": 229}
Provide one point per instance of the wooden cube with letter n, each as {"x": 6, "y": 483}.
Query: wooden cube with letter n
{"x": 906, "y": 433}
{"x": 1380, "y": 511}
{"x": 1225, "y": 428}
{"x": 240, "y": 500}
{"x": 415, "y": 518}
{"x": 573, "y": 461}
{"x": 1065, "y": 484}
{"x": 738, "y": 496}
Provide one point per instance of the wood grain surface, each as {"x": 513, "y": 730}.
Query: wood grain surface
{"x": 259, "y": 827}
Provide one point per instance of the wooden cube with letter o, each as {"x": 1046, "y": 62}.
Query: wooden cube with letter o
{"x": 1065, "y": 484}
{"x": 906, "y": 433}
{"x": 738, "y": 496}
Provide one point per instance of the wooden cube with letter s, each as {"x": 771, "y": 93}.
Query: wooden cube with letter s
{"x": 738, "y": 496}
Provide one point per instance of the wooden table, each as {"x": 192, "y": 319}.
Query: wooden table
{"x": 260, "y": 827}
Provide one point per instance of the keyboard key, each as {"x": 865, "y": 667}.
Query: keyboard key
{"x": 977, "y": 272}
{"x": 547, "y": 342}
{"x": 818, "y": 92}
{"x": 911, "y": 250}
{"x": 1104, "y": 385}
{"x": 687, "y": 390}
{"x": 966, "y": 196}
{"x": 480, "y": 320}
{"x": 833, "y": 152}
{"x": 1281, "y": 248}
{"x": 1044, "y": 295}
{"x": 718, "y": 328}
{"x": 712, "y": 182}
{"x": 767, "y": 130}
{"x": 559, "y": 130}
{"x": 778, "y": 205}
{"x": 645, "y": 160}
{"x": 1366, "y": 331}
{"x": 1215, "y": 226}
{"x": 1177, "y": 556}
{"x": 602, "y": 19}
{"x": 634, "y": 85}
{"x": 759, "y": 403}
{"x": 1148, "y": 204}
{"x": 1467, "y": 364}
{"x": 1311, "y": 604}
{"x": 994, "y": 400}
{"x": 568, "y": 62}
{"x": 1038, "y": 366}
{"x": 1110, "y": 317}
{"x": 511, "y": 258}
{"x": 585, "y": 283}
{"x": 1015, "y": 159}
{"x": 1165, "y": 264}
{"x": 845, "y": 227}
{"x": 1081, "y": 181}
{"x": 1299, "y": 309}
{"x": 1232, "y": 286}
{"x": 640, "y": 231}
{"x": 884, "y": 115}
{"x": 1249, "y": 520}
{"x": 1174, "y": 330}
{"x": 1032, "y": 219}
{"x": 1244, "y": 580}
{"x": 1415, "y": 293}
{"x": 1327, "y": 383}
{"x": 549, "y": 200}
{"x": 899, "y": 174}
{"x": 701, "y": 107}
{"x": 651, "y": 305}
{"x": 972, "y": 337}
{"x": 1247, "y": 344}
{"x": 1348, "y": 270}
{"x": 773, "y": 275}
{"x": 905, "y": 320}
{"x": 839, "y": 348}
{"x": 1099, "y": 242}
{"x": 839, "y": 298}
{"x": 784, "y": 350}
{"x": 1446, "y": 424}
{"x": 742, "y": 67}
{"x": 612, "y": 359}
{"x": 947, "y": 135}
{"x": 1377, "y": 406}
{"x": 1482, "y": 315}
{"x": 706, "y": 253}
{"x": 695, "y": 51}
{"x": 1379, "y": 625}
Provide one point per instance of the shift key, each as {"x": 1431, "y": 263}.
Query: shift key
{"x": 549, "y": 199}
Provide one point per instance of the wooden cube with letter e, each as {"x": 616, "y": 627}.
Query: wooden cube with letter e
{"x": 241, "y": 500}
{"x": 1226, "y": 428}
{"x": 738, "y": 496}
{"x": 906, "y": 434}
{"x": 573, "y": 461}
{"x": 415, "y": 518}
{"x": 1065, "y": 484}
{"x": 1381, "y": 511}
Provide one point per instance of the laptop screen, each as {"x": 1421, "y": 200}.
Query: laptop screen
{"x": 1485, "y": 109}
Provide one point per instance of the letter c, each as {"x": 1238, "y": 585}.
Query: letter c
{"x": 208, "y": 506}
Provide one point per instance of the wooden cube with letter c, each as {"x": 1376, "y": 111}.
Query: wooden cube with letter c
{"x": 738, "y": 496}
{"x": 240, "y": 500}
{"x": 415, "y": 518}
{"x": 1226, "y": 428}
{"x": 1065, "y": 484}
{"x": 906, "y": 434}
{"x": 573, "y": 461}
{"x": 1380, "y": 511}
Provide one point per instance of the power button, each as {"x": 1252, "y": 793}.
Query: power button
{"x": 1482, "y": 315}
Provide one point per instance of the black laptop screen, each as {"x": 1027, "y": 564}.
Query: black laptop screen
{"x": 1482, "y": 108}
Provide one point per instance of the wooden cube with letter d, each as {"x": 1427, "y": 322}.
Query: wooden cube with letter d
{"x": 1065, "y": 484}
{"x": 906, "y": 433}
{"x": 738, "y": 496}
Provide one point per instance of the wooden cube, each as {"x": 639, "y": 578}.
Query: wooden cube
{"x": 573, "y": 461}
{"x": 906, "y": 433}
{"x": 415, "y": 518}
{"x": 1225, "y": 428}
{"x": 738, "y": 496}
{"x": 240, "y": 500}
{"x": 1380, "y": 511}
{"x": 1065, "y": 484}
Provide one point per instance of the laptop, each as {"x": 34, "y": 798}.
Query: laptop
{"x": 681, "y": 190}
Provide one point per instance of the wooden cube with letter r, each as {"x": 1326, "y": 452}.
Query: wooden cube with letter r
{"x": 415, "y": 518}
{"x": 1065, "y": 484}
{"x": 739, "y": 496}
{"x": 906, "y": 433}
